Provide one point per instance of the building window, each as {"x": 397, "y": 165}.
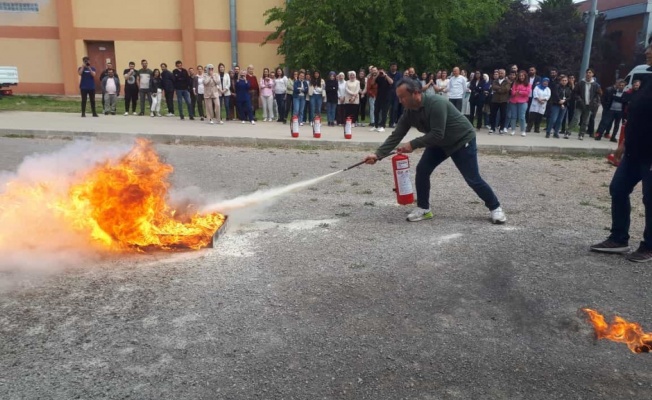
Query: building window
{"x": 6, "y": 6}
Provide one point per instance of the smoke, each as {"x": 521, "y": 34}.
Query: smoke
{"x": 33, "y": 235}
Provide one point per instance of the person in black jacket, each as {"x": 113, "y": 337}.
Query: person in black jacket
{"x": 560, "y": 97}
{"x": 331, "y": 98}
{"x": 479, "y": 91}
{"x": 612, "y": 110}
{"x": 167, "y": 80}
{"x": 182, "y": 84}
{"x": 635, "y": 166}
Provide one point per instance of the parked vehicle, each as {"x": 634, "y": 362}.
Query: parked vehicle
{"x": 8, "y": 77}
{"x": 639, "y": 72}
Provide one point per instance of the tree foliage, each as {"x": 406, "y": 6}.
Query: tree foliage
{"x": 346, "y": 34}
{"x": 549, "y": 37}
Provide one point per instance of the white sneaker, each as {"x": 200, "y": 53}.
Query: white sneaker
{"x": 523, "y": 134}
{"x": 512, "y": 132}
{"x": 264, "y": 119}
{"x": 134, "y": 113}
{"x": 253, "y": 122}
{"x": 158, "y": 114}
{"x": 498, "y": 216}
{"x": 243, "y": 122}
{"x": 151, "y": 114}
{"x": 381, "y": 129}
{"x": 127, "y": 113}
{"x": 221, "y": 122}
{"x": 170, "y": 115}
{"x": 419, "y": 214}
{"x": 211, "y": 121}
{"x": 491, "y": 131}
{"x": 373, "y": 129}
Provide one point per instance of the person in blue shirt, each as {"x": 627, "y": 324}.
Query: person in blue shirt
{"x": 243, "y": 98}
{"x": 87, "y": 85}
{"x": 299, "y": 96}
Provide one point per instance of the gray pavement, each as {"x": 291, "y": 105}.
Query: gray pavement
{"x": 173, "y": 130}
{"x": 329, "y": 294}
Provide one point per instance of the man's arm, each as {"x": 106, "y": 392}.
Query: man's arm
{"x": 437, "y": 115}
{"x": 389, "y": 80}
{"x": 402, "y": 128}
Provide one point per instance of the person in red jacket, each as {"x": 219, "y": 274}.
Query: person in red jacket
{"x": 254, "y": 89}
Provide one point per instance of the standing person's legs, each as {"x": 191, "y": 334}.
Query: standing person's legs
{"x": 186, "y": 97}
{"x": 503, "y": 115}
{"x": 240, "y": 106}
{"x": 280, "y": 104}
{"x": 626, "y": 177}
{"x": 584, "y": 119}
{"x": 393, "y": 110}
{"x": 169, "y": 101}
{"x": 384, "y": 109}
{"x": 466, "y": 161}
{"x": 113, "y": 101}
{"x": 180, "y": 101}
{"x": 372, "y": 114}
{"x": 84, "y": 98}
{"x": 142, "y": 93}
{"x": 555, "y": 112}
{"x": 472, "y": 107}
{"x": 295, "y": 106}
{"x": 193, "y": 102}
{"x": 200, "y": 105}
{"x": 521, "y": 108}
{"x": 105, "y": 103}
{"x": 362, "y": 109}
{"x": 618, "y": 115}
{"x": 457, "y": 103}
{"x": 301, "y": 108}
{"x": 431, "y": 158}
{"x": 558, "y": 120}
{"x": 210, "y": 108}
{"x": 269, "y": 104}
{"x": 318, "y": 105}
{"x": 494, "y": 107}
{"x": 331, "y": 108}
{"x": 537, "y": 122}
{"x": 91, "y": 95}
{"x": 513, "y": 114}
{"x": 605, "y": 122}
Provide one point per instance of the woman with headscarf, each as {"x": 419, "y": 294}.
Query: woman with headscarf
{"x": 341, "y": 97}
{"x": 211, "y": 93}
{"x": 352, "y": 100}
{"x": 540, "y": 98}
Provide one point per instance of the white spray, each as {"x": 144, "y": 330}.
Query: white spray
{"x": 261, "y": 196}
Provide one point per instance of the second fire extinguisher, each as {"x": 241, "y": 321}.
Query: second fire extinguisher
{"x": 294, "y": 127}
{"x": 316, "y": 127}
{"x": 402, "y": 181}
{"x": 348, "y": 125}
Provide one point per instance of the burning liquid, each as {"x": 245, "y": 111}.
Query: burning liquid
{"x": 621, "y": 331}
{"x": 118, "y": 204}
{"x": 262, "y": 196}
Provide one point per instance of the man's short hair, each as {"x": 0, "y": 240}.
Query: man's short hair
{"x": 621, "y": 81}
{"x": 411, "y": 85}
{"x": 132, "y": 63}
{"x": 591, "y": 69}
{"x": 178, "y": 62}
{"x": 143, "y": 60}
{"x": 393, "y": 63}
{"x": 164, "y": 65}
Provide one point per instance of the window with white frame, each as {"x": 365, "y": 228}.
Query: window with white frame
{"x": 7, "y": 6}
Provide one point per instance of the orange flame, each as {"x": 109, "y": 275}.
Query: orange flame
{"x": 120, "y": 205}
{"x": 621, "y": 331}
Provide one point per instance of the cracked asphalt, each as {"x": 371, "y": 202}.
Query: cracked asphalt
{"x": 329, "y": 294}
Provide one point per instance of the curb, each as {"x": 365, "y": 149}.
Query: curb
{"x": 289, "y": 143}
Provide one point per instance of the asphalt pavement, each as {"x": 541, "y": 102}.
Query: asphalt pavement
{"x": 330, "y": 294}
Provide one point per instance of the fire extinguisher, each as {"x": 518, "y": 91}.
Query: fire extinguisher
{"x": 611, "y": 158}
{"x": 316, "y": 127}
{"x": 402, "y": 181}
{"x": 347, "y": 128}
{"x": 294, "y": 126}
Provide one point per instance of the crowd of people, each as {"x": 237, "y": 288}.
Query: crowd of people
{"x": 510, "y": 98}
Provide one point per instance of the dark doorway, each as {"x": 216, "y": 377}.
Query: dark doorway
{"x": 100, "y": 53}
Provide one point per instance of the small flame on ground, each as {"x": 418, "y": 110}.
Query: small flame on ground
{"x": 621, "y": 331}
{"x": 119, "y": 204}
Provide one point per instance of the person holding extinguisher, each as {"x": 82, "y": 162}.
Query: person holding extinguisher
{"x": 448, "y": 133}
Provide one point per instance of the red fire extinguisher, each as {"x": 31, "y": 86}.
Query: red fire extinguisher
{"x": 316, "y": 127}
{"x": 294, "y": 126}
{"x": 347, "y": 128}
{"x": 402, "y": 181}
{"x": 611, "y": 158}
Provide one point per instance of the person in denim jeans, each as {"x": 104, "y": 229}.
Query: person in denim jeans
{"x": 299, "y": 97}
{"x": 635, "y": 166}
{"x": 331, "y": 98}
{"x": 560, "y": 98}
{"x": 317, "y": 87}
{"x": 182, "y": 83}
{"x": 448, "y": 133}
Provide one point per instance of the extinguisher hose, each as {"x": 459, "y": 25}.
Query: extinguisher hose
{"x": 362, "y": 162}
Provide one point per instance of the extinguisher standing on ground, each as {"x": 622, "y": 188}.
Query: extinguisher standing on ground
{"x": 347, "y": 128}
{"x": 294, "y": 126}
{"x": 316, "y": 127}
{"x": 402, "y": 181}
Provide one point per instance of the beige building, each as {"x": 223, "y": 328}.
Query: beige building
{"x": 47, "y": 39}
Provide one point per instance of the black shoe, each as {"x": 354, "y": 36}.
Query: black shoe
{"x": 613, "y": 140}
{"x": 181, "y": 117}
{"x": 202, "y": 118}
{"x": 141, "y": 114}
{"x": 106, "y": 113}
{"x": 642, "y": 254}
{"x": 95, "y": 115}
{"x": 112, "y": 113}
{"x": 192, "y": 118}
{"x": 556, "y": 136}
{"x": 547, "y": 136}
{"x": 610, "y": 246}
{"x": 536, "y": 131}
{"x": 598, "y": 138}
{"x": 83, "y": 115}
{"x": 391, "y": 126}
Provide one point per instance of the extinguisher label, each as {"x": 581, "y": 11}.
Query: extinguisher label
{"x": 404, "y": 182}
{"x": 403, "y": 164}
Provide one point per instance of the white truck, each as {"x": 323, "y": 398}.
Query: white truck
{"x": 8, "y": 78}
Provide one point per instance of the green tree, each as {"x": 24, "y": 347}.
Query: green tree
{"x": 344, "y": 34}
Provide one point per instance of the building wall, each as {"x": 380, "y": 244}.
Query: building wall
{"x": 195, "y": 31}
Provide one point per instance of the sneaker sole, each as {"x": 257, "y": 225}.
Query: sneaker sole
{"x": 639, "y": 261}
{"x": 614, "y": 250}
{"x": 498, "y": 222}
{"x": 422, "y": 218}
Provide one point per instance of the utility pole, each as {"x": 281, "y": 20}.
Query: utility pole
{"x": 588, "y": 40}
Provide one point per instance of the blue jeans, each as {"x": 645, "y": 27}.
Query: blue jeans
{"x": 331, "y": 109}
{"x": 184, "y": 95}
{"x": 298, "y": 107}
{"x": 517, "y": 111}
{"x": 226, "y": 102}
{"x": 372, "y": 105}
{"x": 315, "y": 106}
{"x": 466, "y": 161}
{"x": 557, "y": 115}
{"x": 628, "y": 174}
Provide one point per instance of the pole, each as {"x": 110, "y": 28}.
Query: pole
{"x": 234, "y": 33}
{"x": 588, "y": 40}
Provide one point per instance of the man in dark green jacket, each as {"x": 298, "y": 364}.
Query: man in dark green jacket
{"x": 448, "y": 133}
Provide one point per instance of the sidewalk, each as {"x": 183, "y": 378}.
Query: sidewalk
{"x": 173, "y": 130}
